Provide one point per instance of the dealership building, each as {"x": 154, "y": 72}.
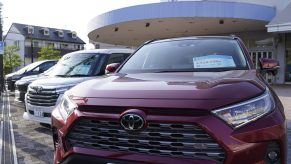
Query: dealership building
{"x": 264, "y": 26}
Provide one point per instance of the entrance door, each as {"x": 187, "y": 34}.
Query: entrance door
{"x": 288, "y": 67}
{"x": 256, "y": 55}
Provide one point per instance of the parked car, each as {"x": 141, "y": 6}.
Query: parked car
{"x": 180, "y": 100}
{"x": 22, "y": 84}
{"x": 73, "y": 68}
{"x": 31, "y": 69}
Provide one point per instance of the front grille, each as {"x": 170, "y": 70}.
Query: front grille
{"x": 45, "y": 97}
{"x": 174, "y": 140}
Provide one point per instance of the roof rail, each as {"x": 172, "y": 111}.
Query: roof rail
{"x": 149, "y": 41}
{"x": 233, "y": 36}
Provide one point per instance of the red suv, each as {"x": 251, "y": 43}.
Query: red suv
{"x": 179, "y": 100}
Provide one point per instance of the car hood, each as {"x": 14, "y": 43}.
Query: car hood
{"x": 10, "y": 75}
{"x": 60, "y": 81}
{"x": 28, "y": 79}
{"x": 236, "y": 85}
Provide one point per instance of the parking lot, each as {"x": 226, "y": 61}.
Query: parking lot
{"x": 33, "y": 142}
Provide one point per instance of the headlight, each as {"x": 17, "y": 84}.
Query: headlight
{"x": 248, "y": 111}
{"x": 67, "y": 106}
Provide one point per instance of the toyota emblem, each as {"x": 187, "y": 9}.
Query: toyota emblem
{"x": 37, "y": 89}
{"x": 132, "y": 122}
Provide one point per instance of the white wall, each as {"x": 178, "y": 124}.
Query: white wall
{"x": 281, "y": 53}
{"x": 279, "y": 4}
{"x": 13, "y": 36}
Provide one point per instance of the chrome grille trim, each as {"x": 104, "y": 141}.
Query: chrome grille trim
{"x": 47, "y": 97}
{"x": 174, "y": 140}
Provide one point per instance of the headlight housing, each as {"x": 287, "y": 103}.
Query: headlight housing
{"x": 69, "y": 104}
{"x": 248, "y": 111}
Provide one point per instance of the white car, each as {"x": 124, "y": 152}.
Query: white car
{"x": 44, "y": 94}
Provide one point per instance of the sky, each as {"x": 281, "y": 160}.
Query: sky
{"x": 64, "y": 14}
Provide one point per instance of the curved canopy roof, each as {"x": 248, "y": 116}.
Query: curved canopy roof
{"x": 133, "y": 25}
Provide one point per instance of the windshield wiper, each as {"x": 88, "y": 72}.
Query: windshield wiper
{"x": 61, "y": 75}
{"x": 77, "y": 75}
{"x": 200, "y": 70}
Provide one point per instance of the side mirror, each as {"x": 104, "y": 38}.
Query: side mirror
{"x": 269, "y": 66}
{"x": 110, "y": 68}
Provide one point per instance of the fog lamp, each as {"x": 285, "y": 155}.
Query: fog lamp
{"x": 273, "y": 156}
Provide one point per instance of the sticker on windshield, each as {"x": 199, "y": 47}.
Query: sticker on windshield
{"x": 213, "y": 61}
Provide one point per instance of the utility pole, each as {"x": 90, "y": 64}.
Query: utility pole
{"x": 31, "y": 46}
{"x": 1, "y": 56}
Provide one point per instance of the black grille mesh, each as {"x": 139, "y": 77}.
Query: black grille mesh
{"x": 46, "y": 97}
{"x": 175, "y": 140}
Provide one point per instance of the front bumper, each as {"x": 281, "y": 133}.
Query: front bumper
{"x": 77, "y": 159}
{"x": 41, "y": 114}
{"x": 248, "y": 144}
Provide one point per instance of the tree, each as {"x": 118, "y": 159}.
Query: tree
{"x": 48, "y": 53}
{"x": 11, "y": 59}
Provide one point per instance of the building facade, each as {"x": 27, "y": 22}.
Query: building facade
{"x": 264, "y": 26}
{"x": 30, "y": 39}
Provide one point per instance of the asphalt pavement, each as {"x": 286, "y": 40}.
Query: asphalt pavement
{"x": 32, "y": 142}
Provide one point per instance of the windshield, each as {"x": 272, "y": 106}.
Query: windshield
{"x": 29, "y": 67}
{"x": 197, "y": 55}
{"x": 76, "y": 64}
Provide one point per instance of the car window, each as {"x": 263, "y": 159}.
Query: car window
{"x": 47, "y": 65}
{"x": 117, "y": 58}
{"x": 36, "y": 69}
{"x": 187, "y": 55}
{"x": 76, "y": 64}
{"x": 29, "y": 67}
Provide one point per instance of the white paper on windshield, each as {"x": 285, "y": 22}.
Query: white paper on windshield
{"x": 213, "y": 61}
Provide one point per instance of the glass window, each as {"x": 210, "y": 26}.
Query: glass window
{"x": 117, "y": 58}
{"x": 51, "y": 45}
{"x": 16, "y": 43}
{"x": 288, "y": 41}
{"x": 35, "y": 44}
{"x": 46, "y": 66}
{"x": 77, "y": 64}
{"x": 37, "y": 69}
{"x": 288, "y": 67}
{"x": 187, "y": 55}
{"x": 29, "y": 67}
{"x": 64, "y": 46}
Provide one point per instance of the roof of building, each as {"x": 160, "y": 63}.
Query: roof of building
{"x": 134, "y": 25}
{"x": 283, "y": 17}
{"x": 282, "y": 22}
{"x": 52, "y": 36}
